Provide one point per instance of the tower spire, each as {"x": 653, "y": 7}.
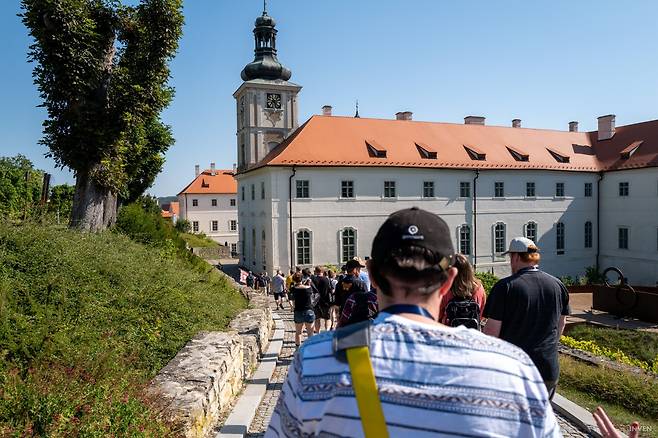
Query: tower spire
{"x": 356, "y": 115}
{"x": 265, "y": 64}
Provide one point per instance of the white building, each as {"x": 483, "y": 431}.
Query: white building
{"x": 319, "y": 196}
{"x": 209, "y": 203}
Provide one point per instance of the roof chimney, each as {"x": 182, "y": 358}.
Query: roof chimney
{"x": 212, "y": 169}
{"x": 606, "y": 127}
{"x": 326, "y": 110}
{"x": 573, "y": 126}
{"x": 404, "y": 115}
{"x": 516, "y": 123}
{"x": 235, "y": 168}
{"x": 197, "y": 171}
{"x": 474, "y": 120}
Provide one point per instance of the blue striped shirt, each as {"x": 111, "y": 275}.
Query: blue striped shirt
{"x": 432, "y": 381}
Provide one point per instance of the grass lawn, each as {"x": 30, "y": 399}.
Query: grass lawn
{"x": 86, "y": 320}
{"x": 199, "y": 241}
{"x": 625, "y": 397}
{"x": 620, "y": 416}
{"x": 638, "y": 344}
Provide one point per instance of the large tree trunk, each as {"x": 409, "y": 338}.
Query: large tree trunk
{"x": 94, "y": 207}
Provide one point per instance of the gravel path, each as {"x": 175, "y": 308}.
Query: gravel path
{"x": 262, "y": 419}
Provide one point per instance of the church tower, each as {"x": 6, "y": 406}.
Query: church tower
{"x": 266, "y": 102}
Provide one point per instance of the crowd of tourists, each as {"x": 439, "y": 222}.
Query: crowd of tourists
{"x": 418, "y": 348}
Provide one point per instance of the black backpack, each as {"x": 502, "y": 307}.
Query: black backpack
{"x": 360, "y": 311}
{"x": 464, "y": 312}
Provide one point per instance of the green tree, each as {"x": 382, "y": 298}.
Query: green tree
{"x": 61, "y": 199}
{"x": 102, "y": 71}
{"x": 20, "y": 186}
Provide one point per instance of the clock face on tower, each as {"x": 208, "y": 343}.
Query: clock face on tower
{"x": 273, "y": 101}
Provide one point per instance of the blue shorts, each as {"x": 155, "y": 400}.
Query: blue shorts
{"x": 304, "y": 316}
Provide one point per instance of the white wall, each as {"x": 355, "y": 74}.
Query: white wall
{"x": 639, "y": 213}
{"x": 324, "y": 214}
{"x": 205, "y": 213}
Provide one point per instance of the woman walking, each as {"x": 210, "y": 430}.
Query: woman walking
{"x": 303, "y": 315}
{"x": 465, "y": 288}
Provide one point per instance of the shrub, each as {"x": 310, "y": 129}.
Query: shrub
{"x": 61, "y": 201}
{"x": 488, "y": 280}
{"x": 143, "y": 226}
{"x": 20, "y": 187}
{"x": 641, "y": 345}
{"x": 593, "y": 276}
{"x": 567, "y": 280}
{"x": 616, "y": 355}
{"x": 183, "y": 226}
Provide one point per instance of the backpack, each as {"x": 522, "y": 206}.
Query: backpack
{"x": 360, "y": 311}
{"x": 464, "y": 312}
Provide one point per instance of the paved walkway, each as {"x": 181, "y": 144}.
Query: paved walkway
{"x": 264, "y": 413}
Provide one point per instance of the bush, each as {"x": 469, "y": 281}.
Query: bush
{"x": 86, "y": 320}
{"x": 593, "y": 276}
{"x": 567, "y": 280}
{"x": 641, "y": 345}
{"x": 20, "y": 187}
{"x": 488, "y": 280}
{"x": 143, "y": 226}
{"x": 61, "y": 201}
{"x": 183, "y": 226}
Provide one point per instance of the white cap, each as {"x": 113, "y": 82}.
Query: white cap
{"x": 522, "y": 244}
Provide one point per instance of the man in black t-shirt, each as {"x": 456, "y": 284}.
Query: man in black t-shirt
{"x": 529, "y": 310}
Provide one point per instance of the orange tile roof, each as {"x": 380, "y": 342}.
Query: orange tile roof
{"x": 347, "y": 141}
{"x": 222, "y": 182}
{"x": 170, "y": 210}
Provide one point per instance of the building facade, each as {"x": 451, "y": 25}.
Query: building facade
{"x": 319, "y": 192}
{"x": 209, "y": 203}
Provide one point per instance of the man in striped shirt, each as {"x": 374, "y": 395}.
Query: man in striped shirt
{"x": 432, "y": 380}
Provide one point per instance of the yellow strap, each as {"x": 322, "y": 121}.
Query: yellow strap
{"x": 365, "y": 390}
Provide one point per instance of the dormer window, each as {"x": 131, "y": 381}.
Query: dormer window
{"x": 517, "y": 154}
{"x": 425, "y": 151}
{"x": 630, "y": 149}
{"x": 375, "y": 150}
{"x": 204, "y": 184}
{"x": 559, "y": 156}
{"x": 475, "y": 153}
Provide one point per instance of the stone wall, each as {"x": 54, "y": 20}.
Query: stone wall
{"x": 201, "y": 381}
{"x": 216, "y": 253}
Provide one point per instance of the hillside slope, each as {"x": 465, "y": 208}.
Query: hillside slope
{"x": 86, "y": 320}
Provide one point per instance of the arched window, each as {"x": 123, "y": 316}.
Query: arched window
{"x": 303, "y": 247}
{"x": 559, "y": 237}
{"x": 465, "y": 239}
{"x": 243, "y": 242}
{"x": 348, "y": 244}
{"x": 253, "y": 246}
{"x": 263, "y": 249}
{"x": 531, "y": 231}
{"x": 499, "y": 238}
{"x": 588, "y": 234}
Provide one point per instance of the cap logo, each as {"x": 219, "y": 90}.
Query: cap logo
{"x": 413, "y": 234}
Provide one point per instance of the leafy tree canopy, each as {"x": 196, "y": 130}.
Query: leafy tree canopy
{"x": 20, "y": 186}
{"x": 102, "y": 72}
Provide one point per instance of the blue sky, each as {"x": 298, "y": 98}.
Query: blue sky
{"x": 544, "y": 62}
